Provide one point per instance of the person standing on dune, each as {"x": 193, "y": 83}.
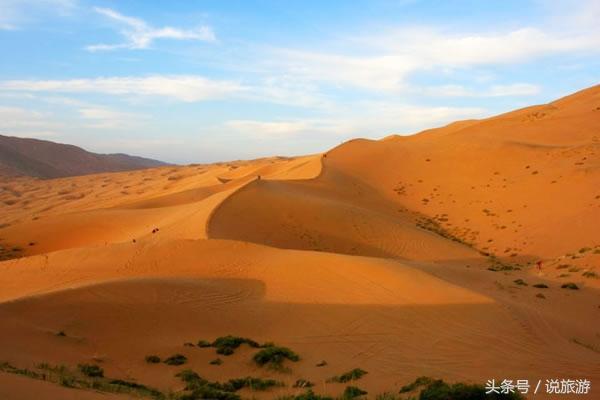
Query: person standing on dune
{"x": 539, "y": 266}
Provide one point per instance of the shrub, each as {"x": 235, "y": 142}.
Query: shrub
{"x": 253, "y": 383}
{"x": 190, "y": 377}
{"x": 351, "y": 392}
{"x": 216, "y": 361}
{"x": 540, "y": 286}
{"x": 177, "y": 359}
{"x": 387, "y": 396}
{"x": 152, "y": 359}
{"x": 208, "y": 392}
{"x": 420, "y": 381}
{"x": 91, "y": 370}
{"x": 540, "y": 296}
{"x": 226, "y": 345}
{"x": 136, "y": 387}
{"x": 308, "y": 395}
{"x": 520, "y": 282}
{"x": 321, "y": 363}
{"x": 590, "y": 274}
{"x": 352, "y": 375}
{"x": 274, "y": 355}
{"x": 200, "y": 388}
{"x": 204, "y": 343}
{"x": 570, "y": 285}
{"x": 61, "y": 333}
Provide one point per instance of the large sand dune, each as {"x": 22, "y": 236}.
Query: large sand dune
{"x": 396, "y": 256}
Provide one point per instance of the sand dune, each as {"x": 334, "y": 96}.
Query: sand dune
{"x": 408, "y": 256}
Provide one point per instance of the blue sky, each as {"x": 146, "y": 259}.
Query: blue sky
{"x": 201, "y": 81}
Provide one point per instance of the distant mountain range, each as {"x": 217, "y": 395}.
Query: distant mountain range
{"x": 45, "y": 159}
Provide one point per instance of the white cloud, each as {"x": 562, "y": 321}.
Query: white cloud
{"x": 384, "y": 62}
{"x": 517, "y": 89}
{"x": 365, "y": 119}
{"x": 451, "y": 90}
{"x": 17, "y": 113}
{"x": 184, "y": 88}
{"x": 107, "y": 118}
{"x": 22, "y": 122}
{"x": 140, "y": 35}
{"x": 14, "y": 13}
{"x": 267, "y": 129}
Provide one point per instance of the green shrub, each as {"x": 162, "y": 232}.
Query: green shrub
{"x": 136, "y": 387}
{"x": 387, "y": 396}
{"x": 253, "y": 383}
{"x": 91, "y": 370}
{"x": 352, "y": 392}
{"x": 590, "y": 274}
{"x": 274, "y": 356}
{"x": 204, "y": 343}
{"x": 216, "y": 361}
{"x": 208, "y": 392}
{"x": 152, "y": 359}
{"x": 420, "y": 381}
{"x": 570, "y": 285}
{"x": 226, "y": 345}
{"x": 177, "y": 359}
{"x": 308, "y": 395}
{"x": 540, "y": 286}
{"x": 520, "y": 282}
{"x": 352, "y": 375}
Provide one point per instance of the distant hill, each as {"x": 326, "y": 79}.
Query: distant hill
{"x": 45, "y": 159}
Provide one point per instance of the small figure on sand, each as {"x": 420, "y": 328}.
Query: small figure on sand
{"x": 539, "y": 266}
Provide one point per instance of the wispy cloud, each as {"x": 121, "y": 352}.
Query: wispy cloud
{"x": 188, "y": 88}
{"x": 452, "y": 90}
{"x": 385, "y": 61}
{"x": 374, "y": 119}
{"x": 107, "y": 118}
{"x": 139, "y": 34}
{"x": 23, "y": 122}
{"x": 14, "y": 13}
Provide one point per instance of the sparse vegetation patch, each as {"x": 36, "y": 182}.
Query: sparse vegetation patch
{"x": 274, "y": 356}
{"x": 177, "y": 359}
{"x": 351, "y": 375}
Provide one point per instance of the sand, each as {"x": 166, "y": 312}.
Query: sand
{"x": 396, "y": 256}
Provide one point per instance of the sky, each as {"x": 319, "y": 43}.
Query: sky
{"x": 211, "y": 80}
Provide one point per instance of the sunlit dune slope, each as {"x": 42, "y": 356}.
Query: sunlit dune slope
{"x": 521, "y": 186}
{"x": 45, "y": 216}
